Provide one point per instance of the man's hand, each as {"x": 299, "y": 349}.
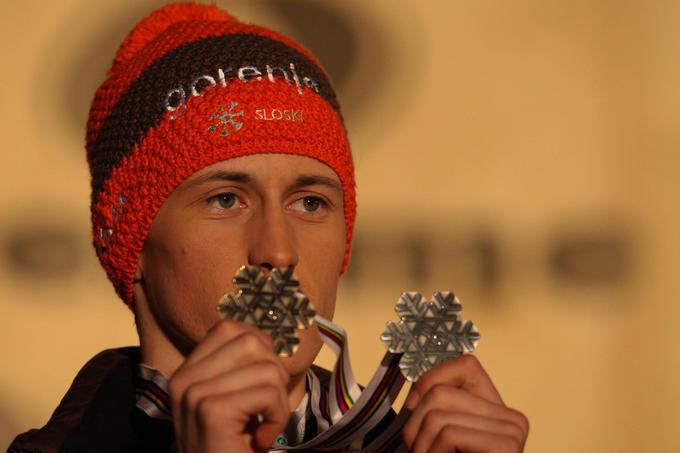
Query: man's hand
{"x": 229, "y": 380}
{"x": 457, "y": 408}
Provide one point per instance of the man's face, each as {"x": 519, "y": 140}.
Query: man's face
{"x": 266, "y": 209}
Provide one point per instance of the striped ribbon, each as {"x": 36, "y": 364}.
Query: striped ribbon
{"x": 152, "y": 393}
{"x": 350, "y": 413}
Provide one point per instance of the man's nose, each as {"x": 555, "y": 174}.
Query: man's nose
{"x": 272, "y": 243}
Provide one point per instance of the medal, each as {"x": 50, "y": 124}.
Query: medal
{"x": 428, "y": 333}
{"x": 273, "y": 303}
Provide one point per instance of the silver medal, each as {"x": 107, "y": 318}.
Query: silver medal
{"x": 428, "y": 333}
{"x": 273, "y": 303}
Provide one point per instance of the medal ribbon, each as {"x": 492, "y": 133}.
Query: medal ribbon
{"x": 350, "y": 413}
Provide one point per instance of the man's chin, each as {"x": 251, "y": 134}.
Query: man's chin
{"x": 310, "y": 344}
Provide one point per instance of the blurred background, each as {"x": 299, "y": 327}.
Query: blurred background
{"x": 522, "y": 154}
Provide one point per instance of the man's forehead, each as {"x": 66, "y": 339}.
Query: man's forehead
{"x": 286, "y": 169}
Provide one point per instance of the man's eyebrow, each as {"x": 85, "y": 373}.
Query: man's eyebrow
{"x": 221, "y": 175}
{"x": 313, "y": 180}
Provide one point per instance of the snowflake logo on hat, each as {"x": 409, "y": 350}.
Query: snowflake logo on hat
{"x": 225, "y": 118}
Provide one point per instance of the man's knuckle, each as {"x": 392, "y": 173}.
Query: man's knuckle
{"x": 272, "y": 391}
{"x": 507, "y": 444}
{"x": 515, "y": 431}
{"x": 435, "y": 416}
{"x": 448, "y": 435}
{"x": 524, "y": 422}
{"x": 408, "y": 434}
{"x": 207, "y": 410}
{"x": 271, "y": 372}
{"x": 440, "y": 392}
{"x": 470, "y": 363}
{"x": 424, "y": 382}
{"x": 223, "y": 328}
{"x": 192, "y": 397}
{"x": 520, "y": 419}
{"x": 502, "y": 443}
{"x": 433, "y": 421}
{"x": 176, "y": 387}
{"x": 251, "y": 344}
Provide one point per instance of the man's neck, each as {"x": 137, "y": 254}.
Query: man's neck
{"x": 158, "y": 352}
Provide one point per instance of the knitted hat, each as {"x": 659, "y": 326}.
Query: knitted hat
{"x": 189, "y": 87}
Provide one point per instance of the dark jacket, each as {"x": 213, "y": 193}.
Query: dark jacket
{"x": 99, "y": 413}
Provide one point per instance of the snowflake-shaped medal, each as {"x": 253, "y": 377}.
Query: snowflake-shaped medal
{"x": 271, "y": 302}
{"x": 428, "y": 333}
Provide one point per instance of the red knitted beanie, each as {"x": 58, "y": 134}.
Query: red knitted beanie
{"x": 191, "y": 86}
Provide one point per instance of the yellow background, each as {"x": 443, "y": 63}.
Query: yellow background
{"x": 523, "y": 122}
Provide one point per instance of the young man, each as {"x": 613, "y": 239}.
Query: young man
{"x": 214, "y": 144}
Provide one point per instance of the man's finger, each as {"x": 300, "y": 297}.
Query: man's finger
{"x": 464, "y": 372}
{"x": 435, "y": 421}
{"x": 241, "y": 351}
{"x": 469, "y": 440}
{"x": 257, "y": 374}
{"x": 222, "y": 332}
{"x": 453, "y": 399}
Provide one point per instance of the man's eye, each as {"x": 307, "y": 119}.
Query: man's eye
{"x": 223, "y": 200}
{"x": 311, "y": 204}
